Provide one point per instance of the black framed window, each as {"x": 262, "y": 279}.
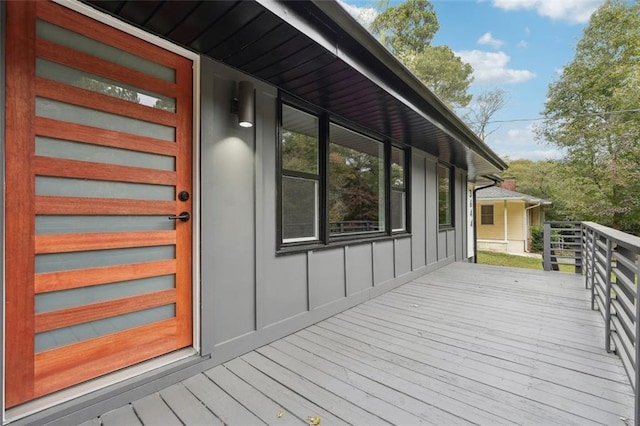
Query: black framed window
{"x": 336, "y": 182}
{"x": 445, "y": 198}
{"x": 300, "y": 192}
{"x": 356, "y": 183}
{"x": 398, "y": 190}
{"x": 486, "y": 214}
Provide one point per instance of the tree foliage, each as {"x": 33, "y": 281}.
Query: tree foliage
{"x": 589, "y": 114}
{"x": 407, "y": 30}
{"x": 445, "y": 74}
{"x": 550, "y": 180}
{"x": 484, "y": 106}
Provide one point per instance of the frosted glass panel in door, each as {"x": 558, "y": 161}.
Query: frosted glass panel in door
{"x": 64, "y": 336}
{"x": 96, "y": 258}
{"x": 102, "y": 85}
{"x": 56, "y": 148}
{"x": 92, "y": 47}
{"x": 75, "y": 114}
{"x": 51, "y": 224}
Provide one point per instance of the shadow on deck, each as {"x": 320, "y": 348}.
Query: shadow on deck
{"x": 464, "y": 344}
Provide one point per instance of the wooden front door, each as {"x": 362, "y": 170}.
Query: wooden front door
{"x": 98, "y": 156}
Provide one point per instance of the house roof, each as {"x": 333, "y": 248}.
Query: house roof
{"x": 497, "y": 193}
{"x": 316, "y": 51}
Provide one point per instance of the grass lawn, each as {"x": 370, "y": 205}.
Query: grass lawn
{"x": 502, "y": 259}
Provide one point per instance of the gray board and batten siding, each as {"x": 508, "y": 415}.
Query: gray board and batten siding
{"x": 249, "y": 294}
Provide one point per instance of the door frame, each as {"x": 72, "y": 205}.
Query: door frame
{"x": 59, "y": 397}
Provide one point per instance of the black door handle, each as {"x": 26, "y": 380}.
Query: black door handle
{"x": 184, "y": 216}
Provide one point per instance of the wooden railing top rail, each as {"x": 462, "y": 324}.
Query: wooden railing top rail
{"x": 616, "y": 236}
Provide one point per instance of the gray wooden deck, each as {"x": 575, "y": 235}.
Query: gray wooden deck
{"x": 467, "y": 344}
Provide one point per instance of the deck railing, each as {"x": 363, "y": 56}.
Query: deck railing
{"x": 611, "y": 270}
{"x": 562, "y": 244}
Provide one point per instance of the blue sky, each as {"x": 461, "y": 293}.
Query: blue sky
{"x": 519, "y": 46}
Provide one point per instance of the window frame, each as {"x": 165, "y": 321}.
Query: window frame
{"x": 406, "y": 189}
{"x": 486, "y": 215}
{"x": 325, "y": 239}
{"x": 451, "y": 192}
{"x": 281, "y": 172}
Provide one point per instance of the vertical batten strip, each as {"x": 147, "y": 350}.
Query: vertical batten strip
{"x": 19, "y": 199}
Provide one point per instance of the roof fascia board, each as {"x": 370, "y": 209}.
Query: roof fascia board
{"x": 526, "y": 200}
{"x": 355, "y": 30}
{"x": 502, "y": 199}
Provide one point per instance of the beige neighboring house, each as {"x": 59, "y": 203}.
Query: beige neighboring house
{"x": 504, "y": 219}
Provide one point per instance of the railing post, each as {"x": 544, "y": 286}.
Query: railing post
{"x": 594, "y": 247}
{"x": 546, "y": 246}
{"x": 637, "y": 347}
{"x": 578, "y": 256}
{"x": 607, "y": 295}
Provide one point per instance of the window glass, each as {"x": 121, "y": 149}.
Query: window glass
{"x": 398, "y": 198}
{"x": 444, "y": 196}
{"x": 300, "y": 178}
{"x": 299, "y": 209}
{"x": 299, "y": 141}
{"x": 486, "y": 215}
{"x": 356, "y": 183}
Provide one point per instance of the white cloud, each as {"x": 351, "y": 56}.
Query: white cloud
{"x": 519, "y": 143}
{"x": 491, "y": 68}
{"x": 534, "y": 155}
{"x": 523, "y": 44}
{"x": 364, "y": 15}
{"x": 572, "y": 11}
{"x": 487, "y": 38}
{"x": 527, "y": 31}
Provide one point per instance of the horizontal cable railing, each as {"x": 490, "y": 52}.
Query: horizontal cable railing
{"x": 611, "y": 270}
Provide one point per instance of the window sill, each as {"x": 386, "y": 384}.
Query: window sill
{"x": 339, "y": 242}
{"x": 446, "y": 228}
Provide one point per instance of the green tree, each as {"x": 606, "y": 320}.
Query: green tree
{"x": 407, "y": 31}
{"x": 445, "y": 74}
{"x": 588, "y": 113}
{"x": 548, "y": 179}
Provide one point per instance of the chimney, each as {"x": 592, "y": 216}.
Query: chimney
{"x": 509, "y": 183}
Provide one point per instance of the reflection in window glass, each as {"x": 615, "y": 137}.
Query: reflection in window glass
{"x": 356, "y": 183}
{"x": 102, "y": 85}
{"x": 398, "y": 198}
{"x": 300, "y": 179}
{"x": 444, "y": 196}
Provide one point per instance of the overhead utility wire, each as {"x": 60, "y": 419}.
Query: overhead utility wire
{"x": 586, "y": 114}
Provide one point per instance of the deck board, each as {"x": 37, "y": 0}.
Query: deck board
{"x": 466, "y": 344}
{"x": 152, "y": 410}
{"x": 122, "y": 416}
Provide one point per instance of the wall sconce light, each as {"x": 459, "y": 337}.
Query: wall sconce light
{"x": 243, "y": 105}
